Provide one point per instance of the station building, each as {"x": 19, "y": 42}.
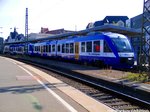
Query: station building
{"x": 15, "y": 37}
{"x": 110, "y": 20}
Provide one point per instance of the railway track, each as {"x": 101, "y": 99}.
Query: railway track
{"x": 97, "y": 89}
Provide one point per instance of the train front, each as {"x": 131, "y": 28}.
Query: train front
{"x": 124, "y": 51}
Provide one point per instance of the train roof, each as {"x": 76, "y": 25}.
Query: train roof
{"x": 92, "y": 37}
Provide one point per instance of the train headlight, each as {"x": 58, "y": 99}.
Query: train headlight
{"x": 130, "y": 59}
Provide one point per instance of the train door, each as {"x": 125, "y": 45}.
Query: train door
{"x": 77, "y": 50}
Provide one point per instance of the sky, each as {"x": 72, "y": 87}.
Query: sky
{"x": 56, "y": 14}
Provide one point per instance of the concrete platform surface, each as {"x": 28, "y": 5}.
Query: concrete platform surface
{"x": 24, "y": 88}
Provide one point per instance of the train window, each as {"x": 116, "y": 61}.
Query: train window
{"x": 106, "y": 47}
{"x": 63, "y": 48}
{"x": 19, "y": 49}
{"x": 49, "y": 48}
{"x": 43, "y": 48}
{"x": 71, "y": 48}
{"x": 38, "y": 48}
{"x": 96, "y": 46}
{"x": 83, "y": 47}
{"x": 67, "y": 48}
{"x": 88, "y": 46}
{"x": 58, "y": 48}
{"x": 53, "y": 48}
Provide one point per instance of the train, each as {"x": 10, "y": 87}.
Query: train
{"x": 104, "y": 48}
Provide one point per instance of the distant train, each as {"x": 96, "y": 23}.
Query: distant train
{"x": 99, "y": 48}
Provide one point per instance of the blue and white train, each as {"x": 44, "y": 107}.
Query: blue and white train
{"x": 101, "y": 48}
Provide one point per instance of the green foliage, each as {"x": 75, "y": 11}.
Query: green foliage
{"x": 137, "y": 77}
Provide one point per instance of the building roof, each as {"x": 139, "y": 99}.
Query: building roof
{"x": 98, "y": 23}
{"x": 54, "y": 32}
{"x": 111, "y": 19}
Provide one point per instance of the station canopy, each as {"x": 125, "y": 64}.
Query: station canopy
{"x": 104, "y": 28}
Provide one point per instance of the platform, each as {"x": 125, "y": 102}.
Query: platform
{"x": 24, "y": 88}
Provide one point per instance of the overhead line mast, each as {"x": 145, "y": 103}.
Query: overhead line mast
{"x": 26, "y": 29}
{"x": 145, "y": 38}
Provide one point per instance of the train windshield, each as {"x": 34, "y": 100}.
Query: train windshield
{"x": 122, "y": 44}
